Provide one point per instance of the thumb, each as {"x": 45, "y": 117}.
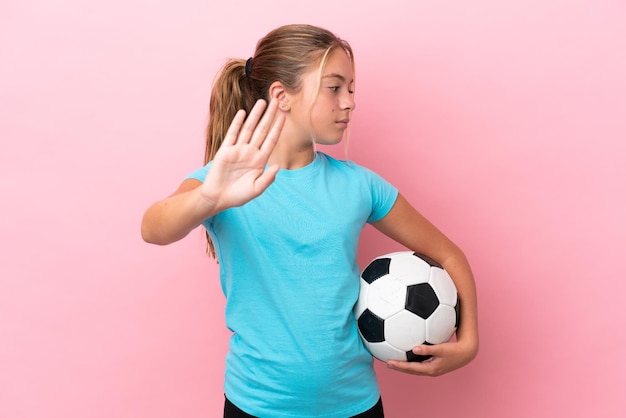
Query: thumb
{"x": 266, "y": 178}
{"x": 422, "y": 352}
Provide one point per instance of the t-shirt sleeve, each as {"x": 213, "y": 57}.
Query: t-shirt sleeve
{"x": 384, "y": 195}
{"x": 199, "y": 174}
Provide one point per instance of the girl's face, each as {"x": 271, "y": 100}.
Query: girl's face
{"x": 327, "y": 102}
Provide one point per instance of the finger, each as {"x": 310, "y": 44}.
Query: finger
{"x": 250, "y": 125}
{"x": 265, "y": 124}
{"x": 271, "y": 139}
{"x": 424, "y": 353}
{"x": 421, "y": 364}
{"x": 265, "y": 179}
{"x": 429, "y": 351}
{"x": 234, "y": 128}
{"x": 406, "y": 367}
{"x": 421, "y": 369}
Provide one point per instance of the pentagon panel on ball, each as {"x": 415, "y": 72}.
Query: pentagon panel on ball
{"x": 405, "y": 299}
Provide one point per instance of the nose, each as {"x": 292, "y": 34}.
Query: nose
{"x": 347, "y": 101}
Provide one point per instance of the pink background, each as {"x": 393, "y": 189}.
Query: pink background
{"x": 502, "y": 121}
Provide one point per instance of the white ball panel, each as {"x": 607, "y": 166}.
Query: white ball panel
{"x": 383, "y": 351}
{"x": 361, "y": 303}
{"x": 393, "y": 254}
{"x": 405, "y": 330}
{"x": 443, "y": 285}
{"x": 409, "y": 268}
{"x": 386, "y": 296}
{"x": 440, "y": 326}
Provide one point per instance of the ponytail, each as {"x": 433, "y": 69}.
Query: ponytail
{"x": 231, "y": 92}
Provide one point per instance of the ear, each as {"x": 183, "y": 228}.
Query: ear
{"x": 277, "y": 91}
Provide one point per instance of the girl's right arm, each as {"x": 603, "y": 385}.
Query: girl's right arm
{"x": 238, "y": 174}
{"x": 172, "y": 218}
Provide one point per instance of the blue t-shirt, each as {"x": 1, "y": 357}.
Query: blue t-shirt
{"x": 289, "y": 273}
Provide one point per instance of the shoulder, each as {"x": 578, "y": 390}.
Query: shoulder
{"x": 199, "y": 173}
{"x": 350, "y": 168}
{"x": 347, "y": 166}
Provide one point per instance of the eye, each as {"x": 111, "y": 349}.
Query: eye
{"x": 334, "y": 89}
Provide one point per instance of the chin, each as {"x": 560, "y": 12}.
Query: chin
{"x": 328, "y": 141}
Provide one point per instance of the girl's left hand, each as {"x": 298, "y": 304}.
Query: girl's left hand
{"x": 445, "y": 358}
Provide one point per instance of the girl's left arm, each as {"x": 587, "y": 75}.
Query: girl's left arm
{"x": 408, "y": 227}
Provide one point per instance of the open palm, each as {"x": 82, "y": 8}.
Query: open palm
{"x": 238, "y": 173}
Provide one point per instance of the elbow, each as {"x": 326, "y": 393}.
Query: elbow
{"x": 150, "y": 234}
{"x": 151, "y": 238}
{"x": 153, "y": 234}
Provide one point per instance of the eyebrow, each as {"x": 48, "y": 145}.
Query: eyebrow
{"x": 335, "y": 75}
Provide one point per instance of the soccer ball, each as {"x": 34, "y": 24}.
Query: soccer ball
{"x": 405, "y": 299}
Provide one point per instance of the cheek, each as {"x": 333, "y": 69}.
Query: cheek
{"x": 321, "y": 116}
{"x": 316, "y": 113}
{"x": 325, "y": 105}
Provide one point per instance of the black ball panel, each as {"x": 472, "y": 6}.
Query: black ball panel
{"x": 376, "y": 269}
{"x": 421, "y": 300}
{"x": 429, "y": 260}
{"x": 415, "y": 357}
{"x": 411, "y": 356}
{"x": 372, "y": 327}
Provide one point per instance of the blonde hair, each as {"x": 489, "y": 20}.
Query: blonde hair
{"x": 285, "y": 54}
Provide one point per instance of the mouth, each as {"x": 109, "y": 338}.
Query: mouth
{"x": 343, "y": 122}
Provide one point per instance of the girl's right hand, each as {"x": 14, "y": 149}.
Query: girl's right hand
{"x": 238, "y": 173}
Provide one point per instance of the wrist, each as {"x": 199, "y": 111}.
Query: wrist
{"x": 207, "y": 203}
{"x": 469, "y": 343}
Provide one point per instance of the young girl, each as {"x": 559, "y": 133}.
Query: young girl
{"x": 283, "y": 222}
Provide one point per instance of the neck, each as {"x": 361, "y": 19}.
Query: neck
{"x": 293, "y": 150}
{"x": 292, "y": 159}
